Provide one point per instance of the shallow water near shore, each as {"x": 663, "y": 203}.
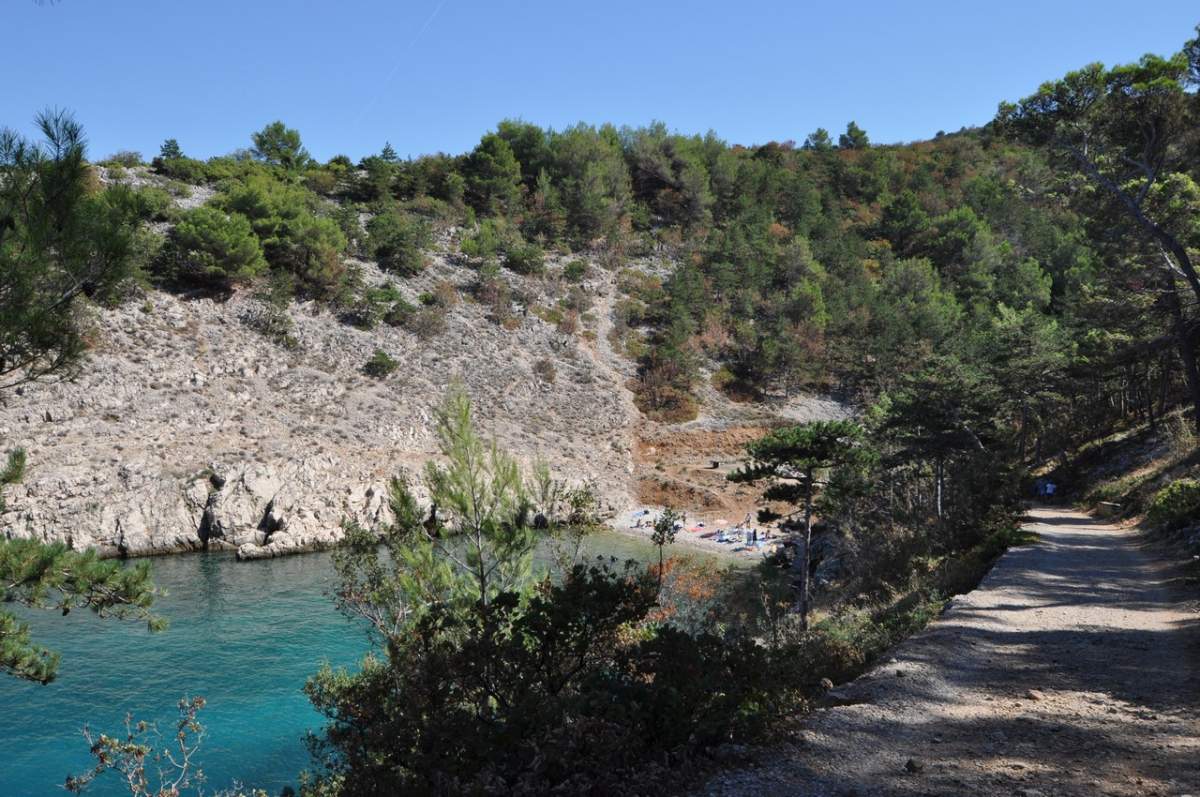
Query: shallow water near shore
{"x": 244, "y": 635}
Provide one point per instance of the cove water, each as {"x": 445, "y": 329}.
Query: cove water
{"x": 244, "y": 636}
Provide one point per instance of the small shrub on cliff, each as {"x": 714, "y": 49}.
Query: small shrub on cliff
{"x": 398, "y": 240}
{"x": 12, "y": 473}
{"x": 488, "y": 240}
{"x": 155, "y": 204}
{"x": 525, "y": 258}
{"x": 380, "y": 365}
{"x": 427, "y": 323}
{"x": 1175, "y": 505}
{"x": 274, "y": 321}
{"x": 575, "y": 271}
{"x": 400, "y": 313}
{"x": 186, "y": 170}
{"x": 126, "y": 158}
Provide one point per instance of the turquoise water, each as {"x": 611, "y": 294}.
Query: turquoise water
{"x": 244, "y": 635}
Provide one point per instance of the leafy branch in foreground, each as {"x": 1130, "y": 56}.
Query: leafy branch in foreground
{"x": 60, "y": 240}
{"x": 129, "y": 755}
{"x": 43, "y": 576}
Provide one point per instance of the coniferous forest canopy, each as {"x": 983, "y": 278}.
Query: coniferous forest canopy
{"x": 988, "y": 301}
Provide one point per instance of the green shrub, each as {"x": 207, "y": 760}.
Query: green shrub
{"x": 294, "y": 238}
{"x": 380, "y": 365}
{"x": 576, "y": 300}
{"x": 397, "y": 240}
{"x": 575, "y": 271}
{"x": 346, "y": 216}
{"x": 280, "y": 145}
{"x": 488, "y": 240}
{"x": 427, "y": 323}
{"x": 571, "y": 689}
{"x": 372, "y": 305}
{"x": 275, "y": 322}
{"x": 321, "y": 181}
{"x": 436, "y": 211}
{"x": 14, "y": 469}
{"x": 12, "y": 472}
{"x": 211, "y": 247}
{"x": 187, "y": 170}
{"x": 400, "y": 314}
{"x": 125, "y": 157}
{"x": 237, "y": 167}
{"x": 525, "y": 258}
{"x": 1175, "y": 505}
{"x": 152, "y": 203}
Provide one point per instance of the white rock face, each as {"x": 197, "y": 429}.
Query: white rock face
{"x": 187, "y": 428}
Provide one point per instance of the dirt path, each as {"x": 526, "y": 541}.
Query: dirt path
{"x": 1074, "y": 669}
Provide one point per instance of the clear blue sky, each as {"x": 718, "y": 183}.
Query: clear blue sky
{"x": 430, "y": 75}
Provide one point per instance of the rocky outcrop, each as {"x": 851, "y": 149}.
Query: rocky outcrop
{"x": 187, "y": 429}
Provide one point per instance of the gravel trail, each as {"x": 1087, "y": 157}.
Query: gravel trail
{"x": 1074, "y": 669}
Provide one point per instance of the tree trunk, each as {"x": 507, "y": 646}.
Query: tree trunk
{"x": 1171, "y": 248}
{"x": 1024, "y": 430}
{"x": 939, "y": 477}
{"x": 1185, "y": 339}
{"x": 803, "y": 558}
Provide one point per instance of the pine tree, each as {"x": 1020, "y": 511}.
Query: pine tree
{"x": 854, "y": 138}
{"x": 58, "y": 242}
{"x": 792, "y": 462}
{"x": 170, "y": 150}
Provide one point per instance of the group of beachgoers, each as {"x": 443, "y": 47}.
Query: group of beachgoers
{"x": 745, "y": 533}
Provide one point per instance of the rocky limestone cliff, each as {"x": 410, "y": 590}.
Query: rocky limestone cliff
{"x": 189, "y": 429}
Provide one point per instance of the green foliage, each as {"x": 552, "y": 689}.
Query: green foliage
{"x": 275, "y": 322}
{"x": 819, "y": 140}
{"x": 294, "y": 237}
{"x": 133, "y": 754}
{"x": 491, "y": 238}
{"x": 52, "y": 577}
{"x": 542, "y": 694}
{"x": 279, "y": 145}
{"x": 493, "y": 176}
{"x": 61, "y": 240}
{"x": 380, "y": 365}
{"x": 525, "y": 258}
{"x": 791, "y": 462}
{"x": 397, "y": 241}
{"x": 854, "y": 138}
{"x": 170, "y": 150}
{"x": 124, "y": 158}
{"x": 154, "y": 204}
{"x": 1176, "y": 505}
{"x": 489, "y": 678}
{"x": 186, "y": 170}
{"x": 14, "y": 468}
{"x": 575, "y": 271}
{"x": 209, "y": 247}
